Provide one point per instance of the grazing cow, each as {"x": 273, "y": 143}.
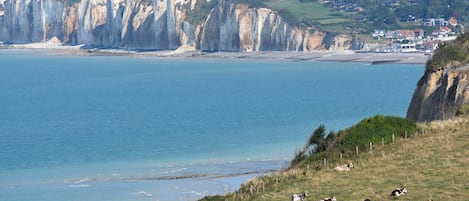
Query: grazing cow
{"x": 344, "y": 167}
{"x": 398, "y": 192}
{"x": 366, "y": 199}
{"x": 329, "y": 199}
{"x": 299, "y": 196}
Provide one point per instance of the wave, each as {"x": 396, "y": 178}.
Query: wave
{"x": 79, "y": 181}
{"x": 208, "y": 175}
{"x": 79, "y": 185}
{"x": 142, "y": 193}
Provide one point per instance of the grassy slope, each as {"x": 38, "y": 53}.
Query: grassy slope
{"x": 311, "y": 12}
{"x": 434, "y": 165}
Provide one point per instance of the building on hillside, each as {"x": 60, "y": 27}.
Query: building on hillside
{"x": 378, "y": 34}
{"x": 405, "y": 35}
{"x": 443, "y": 34}
{"x": 409, "y": 18}
{"x": 419, "y": 33}
{"x": 435, "y": 22}
{"x": 445, "y": 30}
{"x": 408, "y": 47}
{"x": 431, "y": 45}
{"x": 452, "y": 21}
{"x": 390, "y": 35}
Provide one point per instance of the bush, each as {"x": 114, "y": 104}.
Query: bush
{"x": 373, "y": 130}
{"x": 463, "y": 110}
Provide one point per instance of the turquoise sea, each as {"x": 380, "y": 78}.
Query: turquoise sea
{"x": 126, "y": 128}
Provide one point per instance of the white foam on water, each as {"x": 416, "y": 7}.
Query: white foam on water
{"x": 79, "y": 185}
{"x": 142, "y": 193}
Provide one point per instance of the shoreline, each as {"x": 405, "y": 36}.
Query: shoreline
{"x": 191, "y": 53}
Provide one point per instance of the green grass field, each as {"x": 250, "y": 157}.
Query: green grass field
{"x": 311, "y": 13}
{"x": 433, "y": 165}
{"x": 309, "y": 10}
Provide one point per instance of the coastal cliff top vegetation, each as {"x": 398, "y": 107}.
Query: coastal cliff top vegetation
{"x": 452, "y": 54}
{"x": 348, "y": 16}
{"x": 431, "y": 164}
{"x": 378, "y": 129}
{"x": 351, "y": 16}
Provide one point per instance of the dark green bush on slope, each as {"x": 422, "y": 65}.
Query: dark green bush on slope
{"x": 373, "y": 129}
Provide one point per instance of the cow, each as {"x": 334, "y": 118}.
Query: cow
{"x": 344, "y": 167}
{"x": 398, "y": 192}
{"x": 366, "y": 199}
{"x": 299, "y": 196}
{"x": 329, "y": 199}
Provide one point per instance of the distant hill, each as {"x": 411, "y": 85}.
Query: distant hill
{"x": 431, "y": 164}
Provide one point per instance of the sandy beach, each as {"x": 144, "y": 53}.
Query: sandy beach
{"x": 187, "y": 52}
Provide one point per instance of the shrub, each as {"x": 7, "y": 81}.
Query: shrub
{"x": 373, "y": 129}
{"x": 463, "y": 110}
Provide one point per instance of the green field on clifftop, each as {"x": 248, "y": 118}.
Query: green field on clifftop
{"x": 432, "y": 164}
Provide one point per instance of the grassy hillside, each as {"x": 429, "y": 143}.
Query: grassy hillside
{"x": 311, "y": 13}
{"x": 352, "y": 16}
{"x": 432, "y": 165}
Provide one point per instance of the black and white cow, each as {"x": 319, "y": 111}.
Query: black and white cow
{"x": 329, "y": 199}
{"x": 299, "y": 196}
{"x": 398, "y": 192}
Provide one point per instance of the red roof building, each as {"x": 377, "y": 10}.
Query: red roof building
{"x": 419, "y": 33}
{"x": 452, "y": 21}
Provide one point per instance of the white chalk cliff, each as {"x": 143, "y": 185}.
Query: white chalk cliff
{"x": 159, "y": 24}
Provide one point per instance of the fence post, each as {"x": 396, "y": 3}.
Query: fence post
{"x": 371, "y": 146}
{"x": 340, "y": 156}
{"x": 356, "y": 149}
{"x": 393, "y": 138}
{"x": 405, "y": 135}
{"x": 382, "y": 141}
{"x": 325, "y": 161}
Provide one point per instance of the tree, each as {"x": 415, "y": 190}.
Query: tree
{"x": 316, "y": 139}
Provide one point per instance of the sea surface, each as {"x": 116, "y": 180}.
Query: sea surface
{"x": 92, "y": 128}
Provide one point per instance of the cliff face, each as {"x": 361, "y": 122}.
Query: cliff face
{"x": 31, "y": 20}
{"x": 439, "y": 94}
{"x": 159, "y": 24}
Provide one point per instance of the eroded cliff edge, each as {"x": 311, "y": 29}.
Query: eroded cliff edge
{"x": 160, "y": 24}
{"x": 443, "y": 91}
